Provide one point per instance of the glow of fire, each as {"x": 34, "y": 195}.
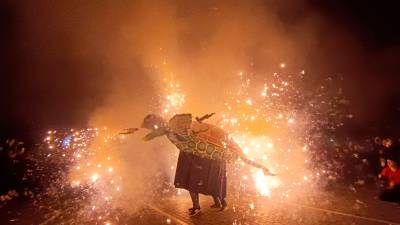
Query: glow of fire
{"x": 245, "y": 118}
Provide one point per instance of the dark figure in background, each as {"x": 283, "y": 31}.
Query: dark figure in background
{"x": 382, "y": 148}
{"x": 391, "y": 173}
{"x": 204, "y": 176}
{"x": 12, "y": 166}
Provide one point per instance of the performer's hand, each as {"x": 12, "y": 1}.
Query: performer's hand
{"x": 391, "y": 185}
{"x": 268, "y": 173}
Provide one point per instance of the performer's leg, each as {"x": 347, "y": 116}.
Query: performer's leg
{"x": 196, "y": 204}
{"x": 224, "y": 203}
{"x": 217, "y": 202}
{"x": 195, "y": 200}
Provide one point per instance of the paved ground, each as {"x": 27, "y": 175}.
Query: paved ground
{"x": 347, "y": 208}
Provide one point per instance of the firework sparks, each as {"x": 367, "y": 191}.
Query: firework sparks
{"x": 174, "y": 98}
{"x": 272, "y": 128}
{"x": 87, "y": 158}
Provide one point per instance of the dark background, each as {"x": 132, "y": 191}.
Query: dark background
{"x": 48, "y": 82}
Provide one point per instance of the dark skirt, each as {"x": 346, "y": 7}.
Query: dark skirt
{"x": 201, "y": 175}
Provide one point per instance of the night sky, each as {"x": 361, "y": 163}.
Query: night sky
{"x": 52, "y": 75}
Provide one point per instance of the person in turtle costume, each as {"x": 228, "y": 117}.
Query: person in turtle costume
{"x": 204, "y": 151}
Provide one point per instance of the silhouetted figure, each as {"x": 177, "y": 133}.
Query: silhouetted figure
{"x": 391, "y": 173}
{"x": 204, "y": 151}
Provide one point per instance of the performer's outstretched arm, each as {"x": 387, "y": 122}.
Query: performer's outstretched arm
{"x": 257, "y": 165}
{"x": 243, "y": 157}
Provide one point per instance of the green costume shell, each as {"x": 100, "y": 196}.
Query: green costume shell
{"x": 198, "y": 138}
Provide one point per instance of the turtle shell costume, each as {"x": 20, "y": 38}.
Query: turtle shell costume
{"x": 195, "y": 137}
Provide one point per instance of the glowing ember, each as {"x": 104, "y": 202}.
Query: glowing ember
{"x": 251, "y": 206}
{"x": 95, "y": 177}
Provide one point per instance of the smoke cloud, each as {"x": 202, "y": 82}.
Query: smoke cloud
{"x": 104, "y": 61}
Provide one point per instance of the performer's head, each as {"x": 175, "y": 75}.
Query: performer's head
{"x": 387, "y": 142}
{"x": 153, "y": 122}
{"x": 392, "y": 163}
{"x": 156, "y": 124}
